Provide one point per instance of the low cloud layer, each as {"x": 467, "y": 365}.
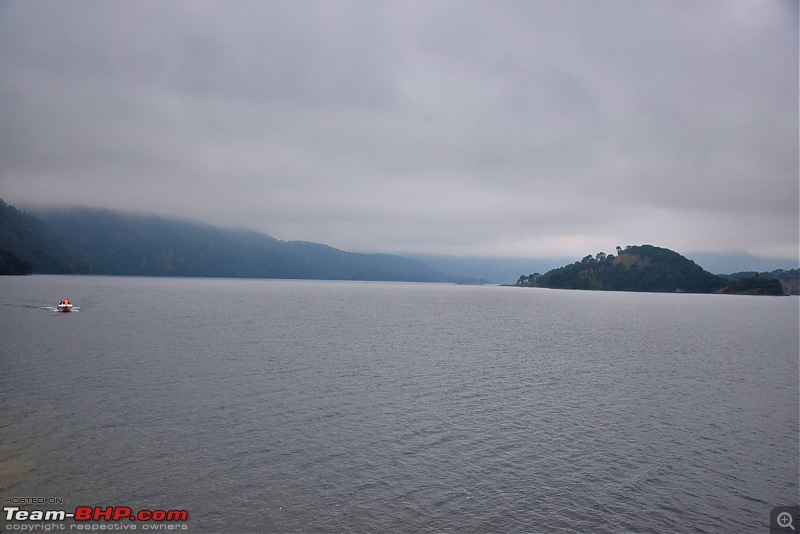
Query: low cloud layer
{"x": 513, "y": 128}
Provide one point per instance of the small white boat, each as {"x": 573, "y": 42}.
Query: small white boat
{"x": 65, "y": 307}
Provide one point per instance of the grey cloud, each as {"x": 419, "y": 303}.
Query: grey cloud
{"x": 512, "y": 128}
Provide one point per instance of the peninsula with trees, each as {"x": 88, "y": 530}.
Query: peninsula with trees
{"x": 654, "y": 269}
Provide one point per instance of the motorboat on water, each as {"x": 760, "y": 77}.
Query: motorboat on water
{"x": 64, "y": 306}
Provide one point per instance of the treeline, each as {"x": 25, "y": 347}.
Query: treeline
{"x": 11, "y": 264}
{"x": 754, "y": 285}
{"x": 785, "y": 275}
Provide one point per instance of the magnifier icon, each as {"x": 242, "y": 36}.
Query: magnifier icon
{"x": 785, "y": 520}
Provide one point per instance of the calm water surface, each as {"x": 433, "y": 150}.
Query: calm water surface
{"x": 295, "y": 406}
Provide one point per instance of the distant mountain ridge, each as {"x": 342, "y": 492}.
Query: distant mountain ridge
{"x": 94, "y": 241}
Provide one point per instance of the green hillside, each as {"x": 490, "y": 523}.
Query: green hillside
{"x": 786, "y": 281}
{"x": 637, "y": 268}
{"x": 27, "y": 246}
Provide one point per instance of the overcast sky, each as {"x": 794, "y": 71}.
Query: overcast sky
{"x": 515, "y": 128}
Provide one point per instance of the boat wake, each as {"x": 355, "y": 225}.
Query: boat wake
{"x": 55, "y": 309}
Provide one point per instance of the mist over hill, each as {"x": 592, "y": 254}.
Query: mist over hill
{"x": 93, "y": 241}
{"x": 96, "y": 241}
{"x": 496, "y": 270}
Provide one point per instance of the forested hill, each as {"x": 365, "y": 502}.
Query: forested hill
{"x": 25, "y": 247}
{"x": 637, "y": 268}
{"x": 765, "y": 282}
{"x": 105, "y": 242}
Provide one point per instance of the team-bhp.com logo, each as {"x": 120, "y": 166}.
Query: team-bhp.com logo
{"x": 95, "y": 513}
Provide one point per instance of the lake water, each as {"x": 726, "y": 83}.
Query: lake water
{"x": 301, "y": 406}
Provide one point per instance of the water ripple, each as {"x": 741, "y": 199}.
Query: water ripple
{"x": 405, "y": 408}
